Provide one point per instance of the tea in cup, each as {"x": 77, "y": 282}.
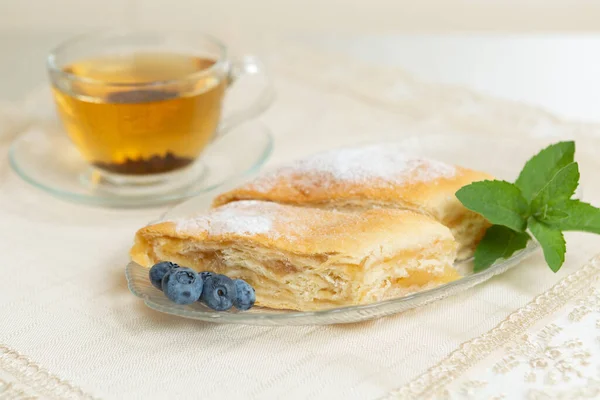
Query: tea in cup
{"x": 139, "y": 105}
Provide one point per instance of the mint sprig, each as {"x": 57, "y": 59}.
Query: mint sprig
{"x": 539, "y": 202}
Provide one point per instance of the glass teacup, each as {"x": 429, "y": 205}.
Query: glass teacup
{"x": 142, "y": 106}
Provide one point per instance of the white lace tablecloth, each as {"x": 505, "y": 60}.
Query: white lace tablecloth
{"x": 70, "y": 329}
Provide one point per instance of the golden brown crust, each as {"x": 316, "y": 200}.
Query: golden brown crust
{"x": 305, "y": 258}
{"x": 306, "y": 188}
{"x": 303, "y": 230}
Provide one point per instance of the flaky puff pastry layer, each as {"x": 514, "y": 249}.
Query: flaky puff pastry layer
{"x": 377, "y": 176}
{"x": 307, "y": 259}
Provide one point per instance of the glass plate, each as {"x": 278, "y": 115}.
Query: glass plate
{"x": 503, "y": 159}
{"x": 33, "y": 155}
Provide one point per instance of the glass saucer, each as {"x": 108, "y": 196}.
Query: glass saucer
{"x": 500, "y": 157}
{"x": 44, "y": 157}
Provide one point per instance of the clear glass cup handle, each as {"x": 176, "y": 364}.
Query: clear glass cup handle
{"x": 247, "y": 68}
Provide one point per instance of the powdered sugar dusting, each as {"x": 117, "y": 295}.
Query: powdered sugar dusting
{"x": 239, "y": 218}
{"x": 381, "y": 164}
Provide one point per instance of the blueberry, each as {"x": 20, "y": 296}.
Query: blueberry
{"x": 218, "y": 293}
{"x": 182, "y": 285}
{"x": 245, "y": 296}
{"x": 205, "y": 275}
{"x": 158, "y": 272}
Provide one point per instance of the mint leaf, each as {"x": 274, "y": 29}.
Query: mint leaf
{"x": 538, "y": 171}
{"x": 500, "y": 202}
{"x": 558, "y": 189}
{"x": 498, "y": 242}
{"x": 552, "y": 241}
{"x": 581, "y": 216}
{"x": 552, "y": 216}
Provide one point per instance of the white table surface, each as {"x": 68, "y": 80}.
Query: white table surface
{"x": 556, "y": 72}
